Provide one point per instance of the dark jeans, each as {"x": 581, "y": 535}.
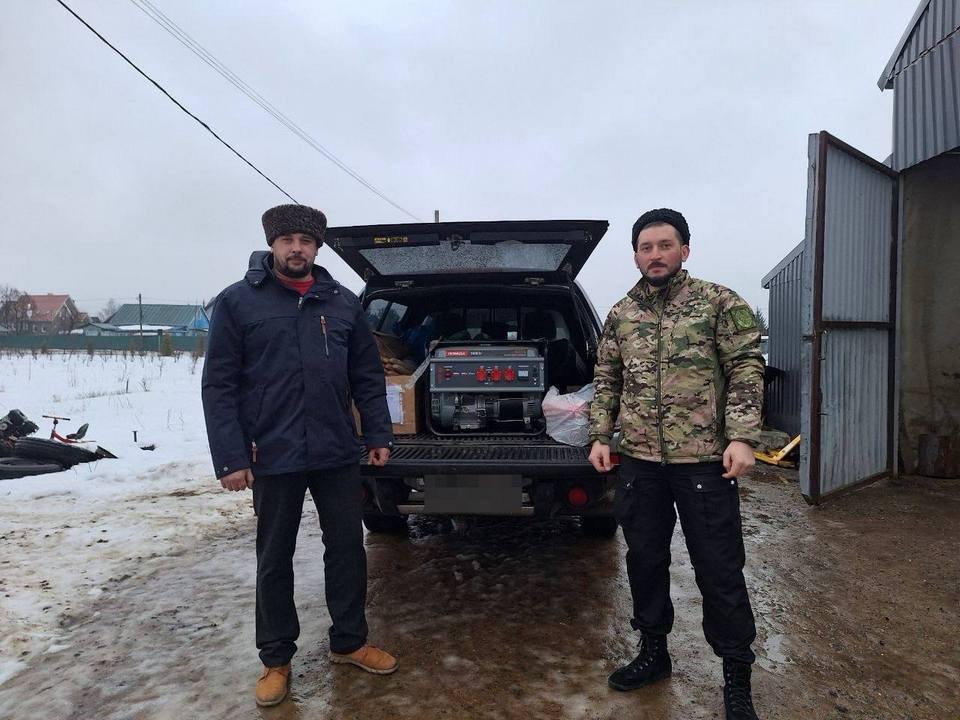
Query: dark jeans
{"x": 709, "y": 509}
{"x": 278, "y": 502}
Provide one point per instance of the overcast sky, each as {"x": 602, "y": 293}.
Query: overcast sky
{"x": 485, "y": 111}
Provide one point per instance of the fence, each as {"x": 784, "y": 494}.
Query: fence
{"x": 92, "y": 343}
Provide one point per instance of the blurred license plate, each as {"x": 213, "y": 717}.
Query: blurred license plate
{"x": 473, "y": 494}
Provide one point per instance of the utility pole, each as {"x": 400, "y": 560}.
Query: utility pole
{"x": 140, "y": 305}
{"x": 436, "y": 216}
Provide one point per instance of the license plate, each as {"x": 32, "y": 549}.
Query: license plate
{"x": 473, "y": 494}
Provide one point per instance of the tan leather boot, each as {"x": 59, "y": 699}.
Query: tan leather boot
{"x": 369, "y": 658}
{"x": 272, "y": 685}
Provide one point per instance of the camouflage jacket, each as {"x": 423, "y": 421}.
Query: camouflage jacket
{"x": 681, "y": 366}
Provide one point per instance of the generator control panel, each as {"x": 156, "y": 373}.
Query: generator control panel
{"x": 487, "y": 369}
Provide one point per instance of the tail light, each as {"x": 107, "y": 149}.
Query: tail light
{"x": 577, "y": 497}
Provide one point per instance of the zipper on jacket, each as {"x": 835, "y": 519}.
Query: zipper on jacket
{"x": 323, "y": 326}
{"x": 253, "y": 451}
{"x": 663, "y": 448}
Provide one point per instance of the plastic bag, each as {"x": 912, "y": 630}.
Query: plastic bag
{"x": 568, "y": 416}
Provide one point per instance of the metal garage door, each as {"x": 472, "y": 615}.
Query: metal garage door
{"x": 848, "y": 308}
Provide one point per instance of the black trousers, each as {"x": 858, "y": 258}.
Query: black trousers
{"x": 278, "y": 502}
{"x": 709, "y": 509}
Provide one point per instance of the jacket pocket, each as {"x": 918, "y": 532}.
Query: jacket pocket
{"x": 261, "y": 391}
{"x": 710, "y": 440}
{"x": 333, "y": 343}
{"x": 251, "y": 409}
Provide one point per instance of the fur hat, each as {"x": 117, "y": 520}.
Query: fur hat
{"x": 285, "y": 219}
{"x": 661, "y": 215}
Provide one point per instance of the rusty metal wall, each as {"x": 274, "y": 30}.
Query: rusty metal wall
{"x": 783, "y": 395}
{"x": 929, "y": 334}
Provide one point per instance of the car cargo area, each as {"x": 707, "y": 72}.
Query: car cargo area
{"x": 468, "y": 368}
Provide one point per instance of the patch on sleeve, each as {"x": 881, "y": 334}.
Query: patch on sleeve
{"x": 743, "y": 318}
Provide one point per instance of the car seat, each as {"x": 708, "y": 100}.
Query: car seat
{"x": 564, "y": 364}
{"x": 450, "y": 326}
{"x": 491, "y": 330}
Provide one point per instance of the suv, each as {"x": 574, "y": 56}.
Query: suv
{"x": 492, "y": 317}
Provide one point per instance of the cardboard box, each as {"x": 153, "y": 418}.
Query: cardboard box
{"x": 403, "y": 405}
{"x": 390, "y": 346}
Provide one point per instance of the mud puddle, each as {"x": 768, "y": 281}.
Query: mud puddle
{"x": 856, "y": 603}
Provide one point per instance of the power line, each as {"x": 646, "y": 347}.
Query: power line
{"x": 207, "y": 57}
{"x": 174, "y": 100}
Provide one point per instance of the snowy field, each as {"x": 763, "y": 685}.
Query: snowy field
{"x": 68, "y": 537}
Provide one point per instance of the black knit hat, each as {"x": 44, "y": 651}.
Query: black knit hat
{"x": 286, "y": 219}
{"x": 661, "y": 215}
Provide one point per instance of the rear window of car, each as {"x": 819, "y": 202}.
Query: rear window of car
{"x": 506, "y": 256}
{"x": 385, "y": 316}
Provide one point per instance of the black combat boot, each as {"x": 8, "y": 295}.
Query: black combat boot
{"x": 652, "y": 664}
{"x": 736, "y": 691}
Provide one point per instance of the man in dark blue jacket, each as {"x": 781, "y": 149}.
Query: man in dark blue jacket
{"x": 289, "y": 350}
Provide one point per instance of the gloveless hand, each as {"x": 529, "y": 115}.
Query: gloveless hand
{"x": 239, "y": 480}
{"x": 737, "y": 459}
{"x": 378, "y": 456}
{"x": 600, "y": 457}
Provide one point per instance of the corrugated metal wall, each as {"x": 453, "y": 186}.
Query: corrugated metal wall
{"x": 856, "y": 252}
{"x": 926, "y": 106}
{"x": 783, "y": 395}
{"x": 851, "y": 403}
{"x": 926, "y": 96}
{"x": 939, "y": 19}
{"x": 855, "y": 406}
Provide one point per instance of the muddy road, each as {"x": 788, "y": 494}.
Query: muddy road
{"x": 856, "y": 604}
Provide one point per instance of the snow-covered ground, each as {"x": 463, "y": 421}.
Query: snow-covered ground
{"x": 66, "y": 538}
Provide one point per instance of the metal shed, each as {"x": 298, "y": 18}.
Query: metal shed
{"x": 783, "y": 394}
{"x": 922, "y": 72}
{"x": 876, "y": 360}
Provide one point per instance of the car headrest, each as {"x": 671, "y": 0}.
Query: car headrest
{"x": 494, "y": 330}
{"x": 539, "y": 324}
{"x": 448, "y": 323}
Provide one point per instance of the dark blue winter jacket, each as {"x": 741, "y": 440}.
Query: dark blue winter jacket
{"x": 280, "y": 374}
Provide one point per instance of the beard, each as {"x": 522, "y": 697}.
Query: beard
{"x": 284, "y": 269}
{"x": 661, "y": 280}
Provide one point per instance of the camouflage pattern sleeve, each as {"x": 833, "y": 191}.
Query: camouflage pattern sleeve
{"x": 738, "y": 349}
{"x": 608, "y": 383}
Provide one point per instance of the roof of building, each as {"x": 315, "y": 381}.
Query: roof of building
{"x": 157, "y": 315}
{"x": 932, "y": 22}
{"x": 45, "y": 307}
{"x": 99, "y": 325}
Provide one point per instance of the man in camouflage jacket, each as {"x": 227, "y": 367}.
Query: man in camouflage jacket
{"x": 679, "y": 364}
